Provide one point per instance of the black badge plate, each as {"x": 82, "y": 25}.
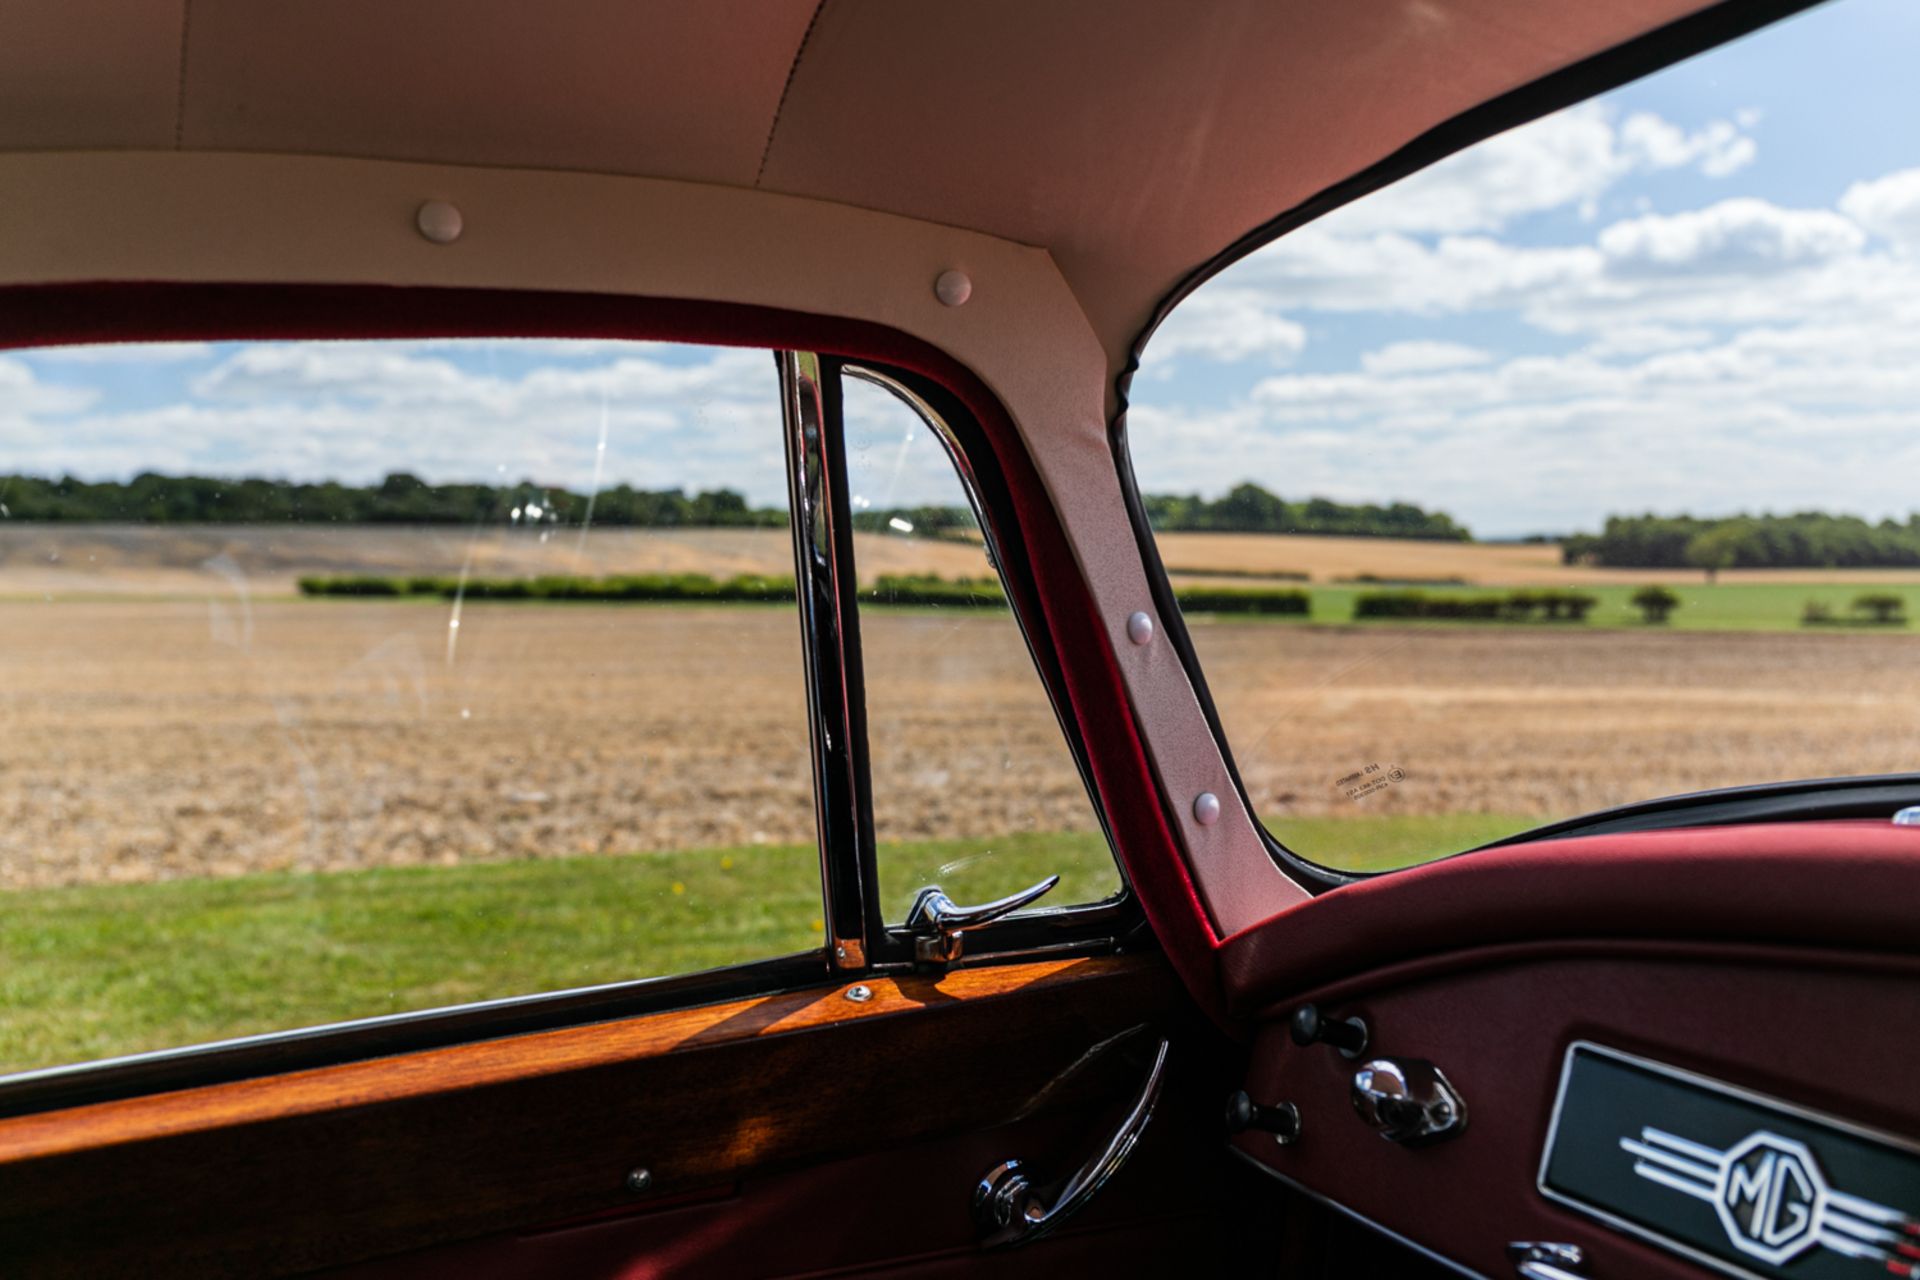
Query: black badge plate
{"x": 1746, "y": 1183}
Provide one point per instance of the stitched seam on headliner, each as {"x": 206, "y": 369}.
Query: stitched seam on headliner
{"x": 180, "y": 83}
{"x": 780, "y": 108}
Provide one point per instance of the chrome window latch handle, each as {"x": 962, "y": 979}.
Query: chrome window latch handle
{"x": 1408, "y": 1101}
{"x": 937, "y": 922}
{"x": 1009, "y": 1210}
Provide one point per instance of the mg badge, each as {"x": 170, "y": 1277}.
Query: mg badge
{"x": 1770, "y": 1197}
{"x": 1774, "y": 1202}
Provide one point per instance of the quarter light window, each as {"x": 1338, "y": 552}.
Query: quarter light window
{"x": 345, "y": 679}
{"x": 974, "y": 787}
{"x": 1574, "y": 471}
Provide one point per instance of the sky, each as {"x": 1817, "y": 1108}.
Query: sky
{"x": 1697, "y": 293}
{"x": 1700, "y": 292}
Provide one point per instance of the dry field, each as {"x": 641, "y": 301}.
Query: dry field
{"x": 160, "y": 739}
{"x": 1550, "y": 724}
{"x": 165, "y": 711}
{"x": 156, "y": 739}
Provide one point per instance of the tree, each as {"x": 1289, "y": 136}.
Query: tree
{"x": 1716, "y": 549}
{"x": 1655, "y": 604}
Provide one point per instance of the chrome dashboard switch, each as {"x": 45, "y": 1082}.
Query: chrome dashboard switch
{"x": 1408, "y": 1100}
{"x": 1547, "y": 1260}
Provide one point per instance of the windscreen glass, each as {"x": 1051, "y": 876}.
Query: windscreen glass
{"x": 1575, "y": 470}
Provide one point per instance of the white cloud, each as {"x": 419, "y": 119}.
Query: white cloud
{"x": 356, "y": 411}
{"x": 1569, "y": 159}
{"x": 1230, "y": 324}
{"x": 23, "y": 394}
{"x": 1640, "y": 339}
{"x": 1775, "y": 417}
{"x": 1420, "y": 356}
{"x": 1888, "y": 207}
{"x": 1317, "y": 269}
{"x": 1719, "y": 149}
{"x": 1744, "y": 237}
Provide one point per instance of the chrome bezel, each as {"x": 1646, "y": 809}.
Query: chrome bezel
{"x": 1699, "y": 1081}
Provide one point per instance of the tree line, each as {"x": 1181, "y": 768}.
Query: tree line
{"x": 401, "y": 498}
{"x": 1248, "y": 508}
{"x": 1803, "y": 540}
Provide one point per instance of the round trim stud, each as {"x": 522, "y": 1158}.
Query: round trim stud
{"x": 1140, "y": 627}
{"x": 953, "y": 287}
{"x": 1206, "y": 808}
{"x": 439, "y": 222}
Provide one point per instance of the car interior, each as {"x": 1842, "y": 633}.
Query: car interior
{"x": 609, "y": 672}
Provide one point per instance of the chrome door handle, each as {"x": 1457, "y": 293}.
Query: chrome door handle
{"x": 1008, "y": 1210}
{"x": 1408, "y": 1100}
{"x": 937, "y": 922}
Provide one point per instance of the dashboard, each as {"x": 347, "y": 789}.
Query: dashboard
{"x": 1617, "y": 1095}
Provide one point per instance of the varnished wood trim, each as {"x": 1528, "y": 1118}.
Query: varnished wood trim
{"x": 519, "y": 1058}
{"x": 292, "y": 1174}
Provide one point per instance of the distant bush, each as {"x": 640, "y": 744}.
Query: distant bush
{"x": 1874, "y": 609}
{"x": 355, "y": 585}
{"x": 1655, "y": 604}
{"x": 1884, "y": 607}
{"x": 1285, "y": 600}
{"x": 1515, "y": 606}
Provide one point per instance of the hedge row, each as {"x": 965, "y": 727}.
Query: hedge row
{"x": 892, "y": 589}
{"x": 644, "y": 586}
{"x": 1515, "y": 606}
{"x": 1283, "y": 600}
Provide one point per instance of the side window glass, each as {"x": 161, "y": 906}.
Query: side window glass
{"x": 346, "y": 679}
{"x": 974, "y": 786}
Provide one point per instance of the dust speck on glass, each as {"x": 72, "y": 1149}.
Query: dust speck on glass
{"x": 346, "y": 679}
{"x": 974, "y": 787}
{"x": 1573, "y": 471}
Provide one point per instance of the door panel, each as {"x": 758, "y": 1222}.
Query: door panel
{"x": 297, "y": 1172}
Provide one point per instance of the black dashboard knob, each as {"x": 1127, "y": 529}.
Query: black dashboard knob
{"x": 1243, "y": 1113}
{"x": 1348, "y": 1035}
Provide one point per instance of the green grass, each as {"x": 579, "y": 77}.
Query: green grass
{"x": 1732, "y": 606}
{"x": 96, "y": 971}
{"x": 1388, "y": 842}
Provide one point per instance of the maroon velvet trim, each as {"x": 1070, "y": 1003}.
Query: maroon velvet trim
{"x": 44, "y": 315}
{"x": 1845, "y": 884}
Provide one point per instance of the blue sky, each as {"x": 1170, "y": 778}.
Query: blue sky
{"x": 1700, "y": 293}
